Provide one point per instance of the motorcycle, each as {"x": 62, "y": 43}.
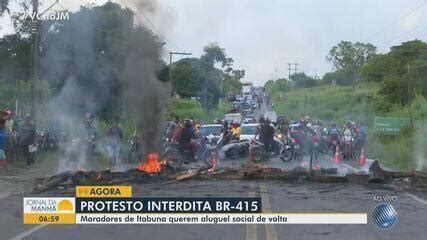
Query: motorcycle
{"x": 180, "y": 155}
{"x": 332, "y": 144}
{"x": 348, "y": 148}
{"x": 240, "y": 149}
{"x": 286, "y": 153}
{"x": 47, "y": 141}
{"x": 296, "y": 145}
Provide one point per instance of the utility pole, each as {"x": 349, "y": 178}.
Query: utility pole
{"x": 295, "y": 73}
{"x": 289, "y": 73}
{"x": 276, "y": 73}
{"x": 408, "y": 94}
{"x": 34, "y": 59}
{"x": 170, "y": 65}
{"x": 170, "y": 62}
{"x": 408, "y": 90}
{"x": 305, "y": 104}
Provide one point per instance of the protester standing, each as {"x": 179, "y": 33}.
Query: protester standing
{"x": 28, "y": 139}
{"x": 114, "y": 137}
{"x": 3, "y": 139}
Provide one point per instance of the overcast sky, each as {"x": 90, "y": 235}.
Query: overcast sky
{"x": 264, "y": 35}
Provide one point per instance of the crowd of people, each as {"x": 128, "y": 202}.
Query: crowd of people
{"x": 351, "y": 136}
{"x": 19, "y": 138}
{"x": 17, "y": 134}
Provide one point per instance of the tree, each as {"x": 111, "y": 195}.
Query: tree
{"x": 15, "y": 52}
{"x": 4, "y": 6}
{"x": 348, "y": 55}
{"x": 301, "y": 80}
{"x": 402, "y": 72}
{"x": 280, "y": 85}
{"x": 231, "y": 83}
{"x": 342, "y": 77}
{"x": 206, "y": 78}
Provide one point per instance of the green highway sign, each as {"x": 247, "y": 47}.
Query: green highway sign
{"x": 390, "y": 125}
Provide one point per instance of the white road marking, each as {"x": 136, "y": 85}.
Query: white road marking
{"x": 421, "y": 200}
{"x": 251, "y": 229}
{"x": 28, "y": 232}
{"x": 270, "y": 230}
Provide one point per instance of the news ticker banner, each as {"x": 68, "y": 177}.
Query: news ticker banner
{"x": 115, "y": 205}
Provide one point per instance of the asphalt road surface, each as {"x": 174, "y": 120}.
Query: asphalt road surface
{"x": 276, "y": 197}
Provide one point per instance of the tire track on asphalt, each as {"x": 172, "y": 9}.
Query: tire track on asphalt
{"x": 270, "y": 229}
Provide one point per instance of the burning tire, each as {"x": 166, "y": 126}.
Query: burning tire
{"x": 259, "y": 154}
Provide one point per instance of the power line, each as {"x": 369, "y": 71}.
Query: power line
{"x": 154, "y": 26}
{"x": 396, "y": 21}
{"x": 138, "y": 19}
{"x": 410, "y": 32}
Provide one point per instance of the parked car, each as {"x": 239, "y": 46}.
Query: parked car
{"x": 271, "y": 115}
{"x": 249, "y": 118}
{"x": 233, "y": 117}
{"x": 249, "y": 131}
{"x": 245, "y": 107}
{"x": 211, "y": 131}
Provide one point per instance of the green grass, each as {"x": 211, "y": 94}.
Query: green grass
{"x": 327, "y": 103}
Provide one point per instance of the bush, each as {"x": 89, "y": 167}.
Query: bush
{"x": 188, "y": 108}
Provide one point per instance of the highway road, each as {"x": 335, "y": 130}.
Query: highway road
{"x": 276, "y": 197}
{"x": 294, "y": 197}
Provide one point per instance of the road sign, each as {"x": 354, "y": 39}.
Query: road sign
{"x": 390, "y": 125}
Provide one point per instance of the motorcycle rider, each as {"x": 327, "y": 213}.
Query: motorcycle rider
{"x": 266, "y": 134}
{"x": 307, "y": 132}
{"x": 348, "y": 134}
{"x": 282, "y": 126}
{"x": 348, "y": 129}
{"x": 360, "y": 132}
{"x": 236, "y": 131}
{"x": 187, "y": 134}
{"x": 225, "y": 134}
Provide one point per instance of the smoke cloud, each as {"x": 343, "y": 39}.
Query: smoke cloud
{"x": 145, "y": 97}
{"x": 110, "y": 77}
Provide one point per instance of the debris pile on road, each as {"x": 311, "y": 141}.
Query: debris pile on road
{"x": 170, "y": 174}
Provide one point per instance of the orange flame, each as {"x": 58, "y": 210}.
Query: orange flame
{"x": 214, "y": 163}
{"x": 98, "y": 177}
{"x": 152, "y": 165}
